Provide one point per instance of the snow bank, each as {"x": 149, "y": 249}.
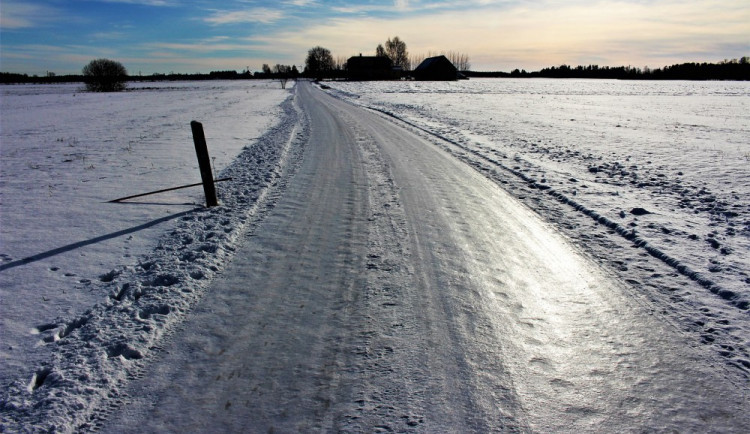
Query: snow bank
{"x": 112, "y": 318}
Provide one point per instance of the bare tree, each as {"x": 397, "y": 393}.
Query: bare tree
{"x": 282, "y": 73}
{"x": 465, "y": 64}
{"x": 416, "y": 59}
{"x": 396, "y": 49}
{"x": 340, "y": 64}
{"x": 104, "y": 75}
{"x": 380, "y": 51}
{"x": 459, "y": 60}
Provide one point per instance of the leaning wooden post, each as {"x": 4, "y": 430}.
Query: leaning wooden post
{"x": 201, "y": 149}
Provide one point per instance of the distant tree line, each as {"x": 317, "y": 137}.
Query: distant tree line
{"x": 323, "y": 65}
{"x": 10, "y": 78}
{"x": 735, "y": 69}
{"x": 105, "y": 75}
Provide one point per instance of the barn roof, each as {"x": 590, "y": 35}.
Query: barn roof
{"x": 431, "y": 62}
{"x": 436, "y": 68}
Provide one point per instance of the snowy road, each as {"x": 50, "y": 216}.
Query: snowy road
{"x": 394, "y": 288}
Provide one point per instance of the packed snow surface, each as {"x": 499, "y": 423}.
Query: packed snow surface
{"x": 669, "y": 160}
{"x": 523, "y": 255}
{"x": 663, "y": 166}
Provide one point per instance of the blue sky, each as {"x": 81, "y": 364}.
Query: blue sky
{"x": 186, "y": 36}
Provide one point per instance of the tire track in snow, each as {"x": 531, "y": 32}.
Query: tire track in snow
{"x": 628, "y": 234}
{"x": 275, "y": 333}
{"x": 617, "y": 327}
{"x": 404, "y": 305}
{"x": 706, "y": 322}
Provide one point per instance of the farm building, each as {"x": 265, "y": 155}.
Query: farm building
{"x": 371, "y": 68}
{"x": 437, "y": 68}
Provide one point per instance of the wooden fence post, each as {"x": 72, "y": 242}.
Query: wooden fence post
{"x": 201, "y": 149}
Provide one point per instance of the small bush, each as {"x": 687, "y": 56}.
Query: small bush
{"x": 104, "y": 75}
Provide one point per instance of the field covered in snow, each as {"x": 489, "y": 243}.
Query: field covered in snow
{"x": 628, "y": 169}
{"x": 66, "y": 153}
{"x": 679, "y": 150}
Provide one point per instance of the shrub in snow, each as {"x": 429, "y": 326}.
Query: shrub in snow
{"x": 104, "y": 75}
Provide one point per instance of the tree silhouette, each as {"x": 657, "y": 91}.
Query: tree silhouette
{"x": 459, "y": 60}
{"x": 282, "y": 72}
{"x": 396, "y": 49}
{"x": 319, "y": 62}
{"x": 104, "y": 75}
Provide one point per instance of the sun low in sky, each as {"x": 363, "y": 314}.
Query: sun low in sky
{"x": 189, "y": 36}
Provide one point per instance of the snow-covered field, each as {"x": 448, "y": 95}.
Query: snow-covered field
{"x": 67, "y": 254}
{"x": 636, "y": 173}
{"x": 679, "y": 150}
{"x": 626, "y": 168}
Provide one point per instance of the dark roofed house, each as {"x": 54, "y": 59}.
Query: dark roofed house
{"x": 370, "y": 68}
{"x": 436, "y": 69}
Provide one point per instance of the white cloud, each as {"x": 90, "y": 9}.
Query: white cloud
{"x": 208, "y": 46}
{"x": 359, "y": 9}
{"x": 23, "y": 15}
{"x": 300, "y": 3}
{"x": 401, "y": 4}
{"x": 110, "y": 35}
{"x": 256, "y": 15}
{"x": 143, "y": 2}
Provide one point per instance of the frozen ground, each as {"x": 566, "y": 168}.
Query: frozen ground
{"x": 662, "y": 166}
{"x": 64, "y": 249}
{"x": 380, "y": 283}
{"x": 679, "y": 150}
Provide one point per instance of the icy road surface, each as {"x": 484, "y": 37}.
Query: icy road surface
{"x": 394, "y": 288}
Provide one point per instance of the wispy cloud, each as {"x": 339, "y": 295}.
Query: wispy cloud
{"x": 300, "y": 3}
{"x": 144, "y": 2}
{"x": 38, "y": 58}
{"x": 110, "y": 35}
{"x": 416, "y": 7}
{"x": 255, "y": 15}
{"x": 24, "y": 15}
{"x": 198, "y": 47}
{"x": 358, "y": 9}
